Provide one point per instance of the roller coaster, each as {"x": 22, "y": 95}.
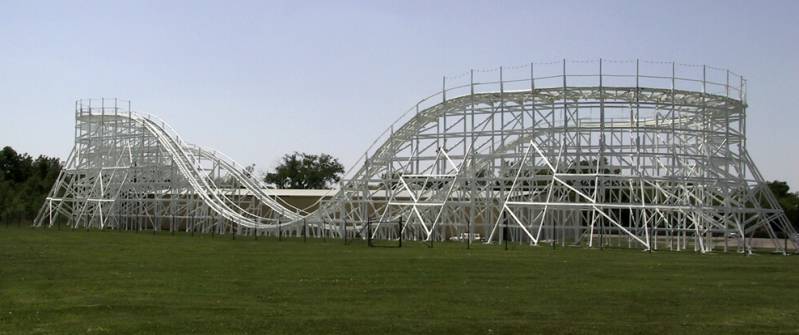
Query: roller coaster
{"x": 650, "y": 155}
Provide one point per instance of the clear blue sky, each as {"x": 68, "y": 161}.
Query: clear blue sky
{"x": 259, "y": 79}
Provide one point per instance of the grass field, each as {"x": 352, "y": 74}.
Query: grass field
{"x": 120, "y": 282}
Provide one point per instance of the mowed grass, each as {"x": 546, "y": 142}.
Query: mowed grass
{"x": 122, "y": 282}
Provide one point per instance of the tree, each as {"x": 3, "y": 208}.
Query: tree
{"x": 789, "y": 201}
{"x": 13, "y": 166}
{"x": 24, "y": 183}
{"x": 306, "y": 171}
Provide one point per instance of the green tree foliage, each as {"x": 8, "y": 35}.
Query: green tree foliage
{"x": 788, "y": 200}
{"x": 306, "y": 171}
{"x": 24, "y": 183}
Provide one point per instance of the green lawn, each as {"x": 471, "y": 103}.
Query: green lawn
{"x": 121, "y": 282}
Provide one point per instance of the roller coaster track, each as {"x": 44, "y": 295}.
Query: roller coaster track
{"x": 182, "y": 155}
{"x": 532, "y": 160}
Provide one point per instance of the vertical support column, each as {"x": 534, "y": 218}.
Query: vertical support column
{"x": 727, "y": 129}
{"x": 707, "y": 153}
{"x": 673, "y": 138}
{"x": 101, "y": 157}
{"x": 638, "y": 120}
{"x": 444, "y": 120}
{"x": 416, "y": 136}
{"x": 501, "y": 108}
{"x": 475, "y": 173}
{"x": 743, "y": 218}
{"x": 444, "y": 89}
{"x": 642, "y": 212}
{"x": 365, "y": 195}
{"x": 437, "y": 167}
{"x": 600, "y": 156}
{"x": 390, "y": 164}
{"x": 727, "y": 84}
{"x": 565, "y": 108}
{"x": 157, "y": 195}
{"x": 743, "y": 120}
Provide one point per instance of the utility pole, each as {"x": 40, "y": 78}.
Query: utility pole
{"x": 505, "y": 229}
{"x": 369, "y": 232}
{"x": 400, "y": 231}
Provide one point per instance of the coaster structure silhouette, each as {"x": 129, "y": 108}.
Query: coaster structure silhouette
{"x": 642, "y": 154}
